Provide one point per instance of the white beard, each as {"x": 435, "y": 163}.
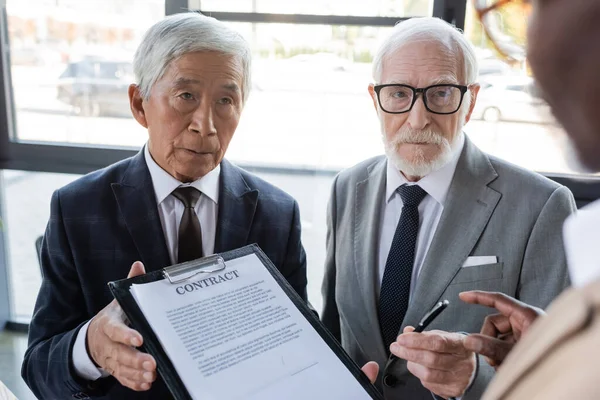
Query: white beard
{"x": 418, "y": 166}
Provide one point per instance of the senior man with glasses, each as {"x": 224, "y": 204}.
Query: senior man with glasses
{"x": 432, "y": 218}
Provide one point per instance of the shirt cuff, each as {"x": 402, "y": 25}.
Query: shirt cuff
{"x": 84, "y": 366}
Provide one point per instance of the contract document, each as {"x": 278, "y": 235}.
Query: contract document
{"x": 236, "y": 332}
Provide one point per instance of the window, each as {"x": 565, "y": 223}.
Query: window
{"x": 306, "y": 80}
{"x": 27, "y": 207}
{"x": 71, "y": 66}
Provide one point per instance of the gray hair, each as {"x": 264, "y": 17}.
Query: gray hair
{"x": 433, "y": 30}
{"x": 179, "y": 34}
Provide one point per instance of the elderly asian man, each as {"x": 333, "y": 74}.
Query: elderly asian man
{"x": 176, "y": 200}
{"x": 432, "y": 218}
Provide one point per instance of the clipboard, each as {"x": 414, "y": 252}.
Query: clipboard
{"x": 180, "y": 273}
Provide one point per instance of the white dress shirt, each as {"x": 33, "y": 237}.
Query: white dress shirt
{"x": 581, "y": 236}
{"x": 436, "y": 184}
{"x": 170, "y": 211}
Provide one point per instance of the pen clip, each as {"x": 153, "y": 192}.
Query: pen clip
{"x": 433, "y": 312}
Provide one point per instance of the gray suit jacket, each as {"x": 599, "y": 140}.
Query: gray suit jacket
{"x": 493, "y": 208}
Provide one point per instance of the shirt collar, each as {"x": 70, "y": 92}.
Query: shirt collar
{"x": 164, "y": 183}
{"x": 436, "y": 184}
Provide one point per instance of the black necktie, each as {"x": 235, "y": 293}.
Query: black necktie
{"x": 395, "y": 286}
{"x": 190, "y": 236}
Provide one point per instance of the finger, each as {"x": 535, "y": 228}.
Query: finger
{"x": 496, "y": 324}
{"x": 137, "y": 386}
{"x": 436, "y": 341}
{"x": 528, "y": 318}
{"x": 492, "y": 348}
{"x": 136, "y": 375}
{"x": 407, "y": 329}
{"x": 520, "y": 314}
{"x": 371, "y": 369}
{"x": 429, "y": 359}
{"x": 505, "y": 304}
{"x": 442, "y": 383}
{"x": 117, "y": 331}
{"x": 137, "y": 268}
{"x": 442, "y": 390}
{"x": 428, "y": 374}
{"x": 120, "y": 356}
{"x": 133, "y": 358}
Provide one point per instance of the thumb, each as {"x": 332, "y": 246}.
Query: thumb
{"x": 408, "y": 329}
{"x": 493, "y": 349}
{"x": 137, "y": 268}
{"x": 371, "y": 369}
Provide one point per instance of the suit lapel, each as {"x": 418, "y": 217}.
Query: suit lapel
{"x": 137, "y": 202}
{"x": 369, "y": 200}
{"x": 237, "y": 205}
{"x": 469, "y": 206}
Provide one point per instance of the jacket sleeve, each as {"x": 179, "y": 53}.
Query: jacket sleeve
{"x": 544, "y": 273}
{"x": 330, "y": 316}
{"x": 58, "y": 315}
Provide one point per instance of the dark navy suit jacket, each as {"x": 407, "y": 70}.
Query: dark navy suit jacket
{"x": 102, "y": 223}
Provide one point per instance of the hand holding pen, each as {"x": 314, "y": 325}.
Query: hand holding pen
{"x": 437, "y": 358}
{"x": 425, "y": 321}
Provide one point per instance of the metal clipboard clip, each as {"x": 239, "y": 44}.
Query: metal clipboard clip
{"x": 187, "y": 270}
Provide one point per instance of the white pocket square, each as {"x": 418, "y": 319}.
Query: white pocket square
{"x": 475, "y": 261}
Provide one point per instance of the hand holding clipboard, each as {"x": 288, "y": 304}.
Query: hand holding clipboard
{"x": 108, "y": 334}
{"x": 233, "y": 317}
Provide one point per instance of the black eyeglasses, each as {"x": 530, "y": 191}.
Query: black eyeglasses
{"x": 438, "y": 99}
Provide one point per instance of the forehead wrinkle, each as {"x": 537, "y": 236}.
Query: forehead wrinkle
{"x": 424, "y": 55}
{"x": 422, "y": 71}
{"x": 442, "y": 63}
{"x": 426, "y": 73}
{"x": 182, "y": 81}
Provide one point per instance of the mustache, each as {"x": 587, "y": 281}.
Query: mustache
{"x": 424, "y": 136}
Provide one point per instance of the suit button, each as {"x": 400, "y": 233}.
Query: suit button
{"x": 390, "y": 380}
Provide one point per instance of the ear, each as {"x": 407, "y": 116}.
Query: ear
{"x": 136, "y": 103}
{"x": 474, "y": 91}
{"x": 373, "y": 97}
